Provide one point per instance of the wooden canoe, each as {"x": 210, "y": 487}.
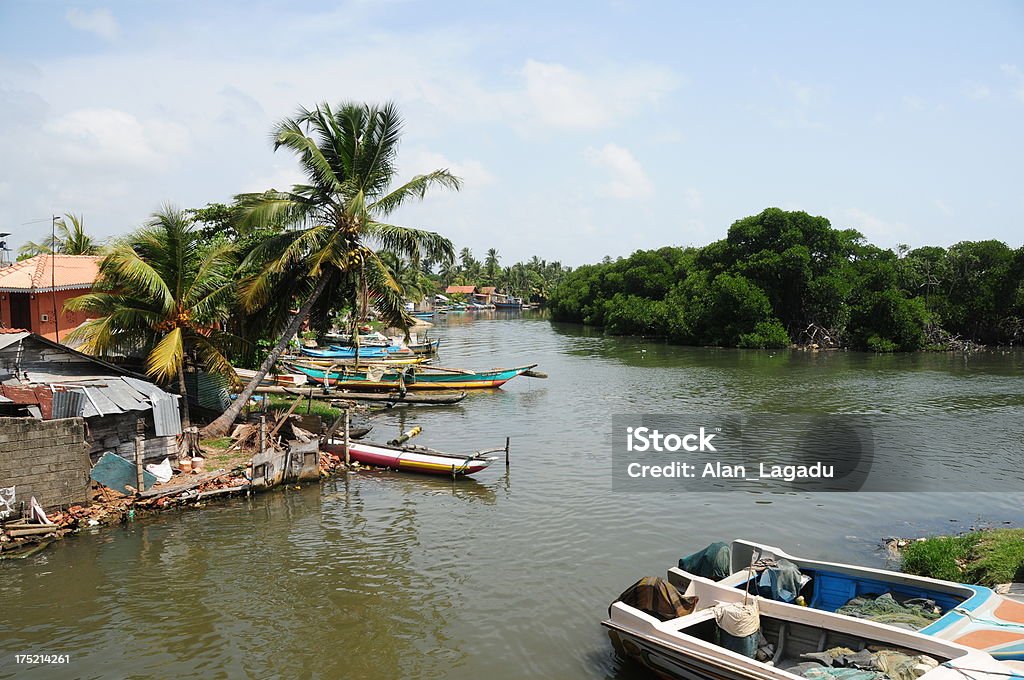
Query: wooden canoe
{"x": 414, "y": 378}
{"x": 410, "y": 458}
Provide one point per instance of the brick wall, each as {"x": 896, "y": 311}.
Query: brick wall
{"x": 47, "y": 459}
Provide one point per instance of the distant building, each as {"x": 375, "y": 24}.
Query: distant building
{"x": 33, "y": 292}
{"x": 460, "y": 290}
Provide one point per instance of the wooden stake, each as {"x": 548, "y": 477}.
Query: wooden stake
{"x": 344, "y": 441}
{"x": 139, "y": 448}
{"x": 263, "y": 434}
{"x": 507, "y": 441}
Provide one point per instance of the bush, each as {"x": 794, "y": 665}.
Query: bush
{"x": 879, "y": 344}
{"x": 767, "y": 334}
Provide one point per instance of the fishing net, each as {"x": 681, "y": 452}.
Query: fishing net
{"x": 912, "y": 614}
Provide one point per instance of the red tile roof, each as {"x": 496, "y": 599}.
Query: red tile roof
{"x": 460, "y": 289}
{"x": 40, "y": 274}
{"x": 34, "y": 395}
{"x": 12, "y": 330}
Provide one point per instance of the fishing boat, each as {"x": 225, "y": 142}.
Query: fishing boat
{"x": 427, "y": 347}
{"x": 971, "y": 615}
{"x": 338, "y": 352}
{"x": 278, "y": 379}
{"x": 416, "y": 377}
{"x": 412, "y": 458}
{"x": 390, "y": 360}
{"x": 423, "y": 315}
{"x": 691, "y": 640}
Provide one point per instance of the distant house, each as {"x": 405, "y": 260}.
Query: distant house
{"x": 460, "y": 290}
{"x": 43, "y": 380}
{"x": 33, "y": 292}
{"x": 483, "y": 295}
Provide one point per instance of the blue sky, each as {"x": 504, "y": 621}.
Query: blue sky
{"x": 580, "y": 129}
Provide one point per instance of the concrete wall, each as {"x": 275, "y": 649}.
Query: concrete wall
{"x": 47, "y": 459}
{"x": 42, "y": 303}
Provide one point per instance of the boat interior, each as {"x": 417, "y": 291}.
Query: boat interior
{"x": 829, "y": 587}
{"x": 796, "y": 631}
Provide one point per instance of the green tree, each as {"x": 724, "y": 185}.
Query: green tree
{"x": 69, "y": 238}
{"x": 491, "y": 265}
{"x": 161, "y": 291}
{"x": 334, "y": 225}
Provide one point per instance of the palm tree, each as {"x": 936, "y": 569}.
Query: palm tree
{"x": 491, "y": 264}
{"x": 68, "y": 240}
{"x": 161, "y": 292}
{"x": 334, "y": 225}
{"x": 412, "y": 280}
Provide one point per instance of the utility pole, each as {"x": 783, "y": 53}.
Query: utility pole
{"x": 53, "y": 274}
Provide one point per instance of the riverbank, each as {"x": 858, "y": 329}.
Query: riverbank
{"x": 987, "y": 557}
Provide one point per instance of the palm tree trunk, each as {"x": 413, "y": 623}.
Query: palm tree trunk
{"x": 220, "y": 426}
{"x": 185, "y": 420}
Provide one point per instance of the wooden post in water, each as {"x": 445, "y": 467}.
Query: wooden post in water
{"x": 344, "y": 441}
{"x": 139, "y": 450}
{"x": 507, "y": 440}
{"x": 263, "y": 434}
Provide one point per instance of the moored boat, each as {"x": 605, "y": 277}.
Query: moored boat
{"x": 411, "y": 458}
{"x": 975, "y": 616}
{"x": 411, "y": 377}
{"x": 692, "y": 641}
{"x": 278, "y": 379}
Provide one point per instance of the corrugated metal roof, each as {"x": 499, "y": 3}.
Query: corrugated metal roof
{"x": 8, "y": 339}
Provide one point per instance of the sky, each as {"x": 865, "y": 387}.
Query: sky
{"x": 579, "y": 129}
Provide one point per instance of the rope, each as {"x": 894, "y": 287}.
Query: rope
{"x": 993, "y": 622}
{"x": 963, "y": 672}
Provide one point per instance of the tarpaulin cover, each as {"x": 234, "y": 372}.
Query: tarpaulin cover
{"x": 711, "y": 562}
{"x": 659, "y": 598}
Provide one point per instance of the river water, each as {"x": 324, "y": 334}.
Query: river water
{"x": 382, "y": 575}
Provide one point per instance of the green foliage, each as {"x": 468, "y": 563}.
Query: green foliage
{"x": 779, "y": 273}
{"x": 987, "y": 557}
{"x": 69, "y": 238}
{"x": 766, "y": 335}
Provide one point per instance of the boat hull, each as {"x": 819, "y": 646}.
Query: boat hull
{"x": 421, "y": 381}
{"x": 409, "y": 459}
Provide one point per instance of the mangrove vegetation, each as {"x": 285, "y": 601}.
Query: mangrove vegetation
{"x": 784, "y": 277}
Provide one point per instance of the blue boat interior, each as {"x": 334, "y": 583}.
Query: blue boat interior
{"x": 829, "y": 591}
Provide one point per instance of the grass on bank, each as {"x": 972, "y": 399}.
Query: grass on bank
{"x": 986, "y": 557}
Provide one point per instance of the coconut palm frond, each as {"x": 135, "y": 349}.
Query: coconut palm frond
{"x": 416, "y": 188}
{"x": 167, "y": 357}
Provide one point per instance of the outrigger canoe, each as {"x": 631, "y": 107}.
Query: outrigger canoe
{"x": 412, "y": 377}
{"x": 684, "y": 636}
{"x": 336, "y": 352}
{"x": 412, "y": 458}
{"x": 974, "y": 616}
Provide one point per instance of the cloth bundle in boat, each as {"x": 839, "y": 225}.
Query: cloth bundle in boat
{"x": 659, "y": 598}
{"x": 711, "y": 562}
{"x": 780, "y": 579}
{"x": 739, "y": 626}
{"x": 912, "y": 614}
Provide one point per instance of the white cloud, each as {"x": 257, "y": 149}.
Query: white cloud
{"x": 108, "y": 137}
{"x": 628, "y": 178}
{"x": 875, "y": 229}
{"x": 558, "y": 96}
{"x": 99, "y": 22}
{"x": 417, "y": 161}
